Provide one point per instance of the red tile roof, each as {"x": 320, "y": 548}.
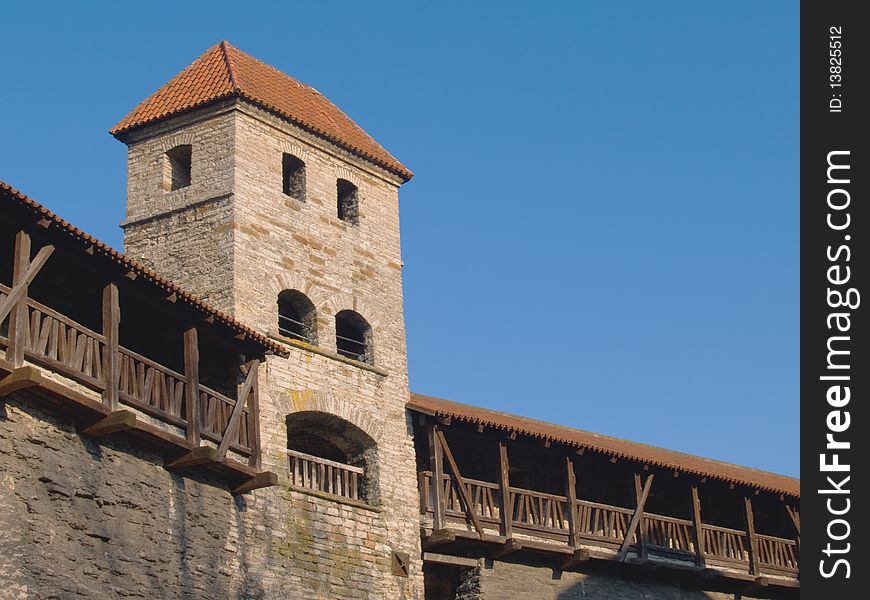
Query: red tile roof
{"x": 144, "y": 275}
{"x": 653, "y": 455}
{"x": 224, "y": 71}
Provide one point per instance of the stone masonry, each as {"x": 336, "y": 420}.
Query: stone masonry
{"x": 235, "y": 238}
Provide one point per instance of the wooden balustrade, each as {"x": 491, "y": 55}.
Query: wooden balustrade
{"x": 597, "y": 523}
{"x": 215, "y": 411}
{"x": 151, "y": 387}
{"x": 322, "y": 475}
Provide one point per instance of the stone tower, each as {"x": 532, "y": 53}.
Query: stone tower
{"x": 256, "y": 193}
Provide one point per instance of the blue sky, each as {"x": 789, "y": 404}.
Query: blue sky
{"x": 603, "y": 226}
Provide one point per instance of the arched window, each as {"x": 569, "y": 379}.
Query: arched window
{"x": 293, "y": 171}
{"x": 331, "y": 455}
{"x": 176, "y": 168}
{"x": 297, "y": 317}
{"x": 348, "y": 201}
{"x": 353, "y": 336}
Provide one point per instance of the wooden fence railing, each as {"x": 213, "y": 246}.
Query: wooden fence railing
{"x": 322, "y": 475}
{"x": 538, "y": 513}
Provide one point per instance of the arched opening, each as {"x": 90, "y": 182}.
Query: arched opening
{"x": 353, "y": 336}
{"x": 293, "y": 170}
{"x": 348, "y": 201}
{"x": 177, "y": 168}
{"x": 329, "y": 454}
{"x": 297, "y": 317}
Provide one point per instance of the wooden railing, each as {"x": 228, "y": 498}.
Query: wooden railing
{"x": 215, "y": 410}
{"x": 63, "y": 345}
{"x": 322, "y": 475}
{"x": 538, "y": 513}
{"x": 151, "y": 387}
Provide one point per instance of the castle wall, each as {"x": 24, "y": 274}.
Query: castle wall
{"x": 87, "y": 519}
{"x": 501, "y": 580}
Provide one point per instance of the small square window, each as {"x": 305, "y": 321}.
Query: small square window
{"x": 176, "y": 174}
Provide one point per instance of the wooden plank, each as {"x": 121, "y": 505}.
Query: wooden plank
{"x": 753, "y": 540}
{"x": 191, "y": 385}
{"x": 254, "y": 426}
{"x": 698, "y": 527}
{"x": 20, "y": 379}
{"x": 232, "y": 425}
{"x": 571, "y": 496}
{"x": 111, "y": 354}
{"x": 436, "y": 461}
{"x": 506, "y": 507}
{"x": 18, "y": 321}
{"x": 463, "y": 491}
{"x": 120, "y": 420}
{"x": 642, "y": 527}
{"x": 260, "y": 480}
{"x": 449, "y": 559}
{"x": 635, "y": 519}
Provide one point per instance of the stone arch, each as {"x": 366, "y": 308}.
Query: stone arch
{"x": 293, "y": 281}
{"x": 182, "y": 138}
{"x": 318, "y": 401}
{"x": 340, "y": 302}
{"x": 297, "y": 150}
{"x": 348, "y": 174}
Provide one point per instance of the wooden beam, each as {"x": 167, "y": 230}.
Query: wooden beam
{"x": 635, "y": 518}
{"x": 23, "y": 271}
{"x": 260, "y": 480}
{"x": 641, "y": 529}
{"x": 795, "y": 517}
{"x": 506, "y": 506}
{"x": 580, "y": 555}
{"x": 233, "y": 423}
{"x": 509, "y": 547}
{"x": 254, "y": 426}
{"x": 439, "y": 537}
{"x": 198, "y": 456}
{"x": 753, "y": 540}
{"x": 449, "y": 559}
{"x": 698, "y": 528}
{"x": 120, "y": 420}
{"x": 460, "y": 483}
{"x": 20, "y": 379}
{"x": 571, "y": 495}
{"x": 436, "y": 463}
{"x": 111, "y": 355}
{"x": 191, "y": 386}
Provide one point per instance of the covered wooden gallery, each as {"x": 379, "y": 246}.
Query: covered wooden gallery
{"x": 148, "y": 358}
{"x": 515, "y": 487}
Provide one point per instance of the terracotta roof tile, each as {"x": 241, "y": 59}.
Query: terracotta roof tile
{"x": 224, "y": 71}
{"x": 670, "y": 459}
{"x": 144, "y": 274}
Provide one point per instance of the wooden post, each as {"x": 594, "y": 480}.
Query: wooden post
{"x": 460, "y": 483}
{"x": 18, "y": 315}
{"x": 436, "y": 462}
{"x": 506, "y": 507}
{"x": 571, "y": 495}
{"x": 254, "y": 425}
{"x": 232, "y": 427}
{"x": 111, "y": 355}
{"x": 191, "y": 387}
{"x": 698, "y": 526}
{"x": 635, "y": 518}
{"x": 642, "y": 526}
{"x": 795, "y": 517}
{"x": 753, "y": 541}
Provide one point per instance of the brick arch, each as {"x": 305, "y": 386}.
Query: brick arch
{"x": 296, "y": 150}
{"x": 345, "y": 173}
{"x": 318, "y": 401}
{"x": 181, "y": 138}
{"x": 340, "y": 302}
{"x": 292, "y": 281}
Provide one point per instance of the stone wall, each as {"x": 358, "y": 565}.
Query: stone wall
{"x": 87, "y": 519}
{"x": 501, "y": 580}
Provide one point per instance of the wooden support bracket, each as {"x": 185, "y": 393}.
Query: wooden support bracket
{"x": 260, "y": 480}
{"x": 580, "y": 555}
{"x": 438, "y": 538}
{"x": 449, "y": 559}
{"x": 20, "y": 379}
{"x": 509, "y": 547}
{"x": 635, "y": 519}
{"x": 120, "y": 420}
{"x": 198, "y": 456}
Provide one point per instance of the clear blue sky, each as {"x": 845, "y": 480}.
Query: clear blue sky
{"x": 603, "y": 228}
